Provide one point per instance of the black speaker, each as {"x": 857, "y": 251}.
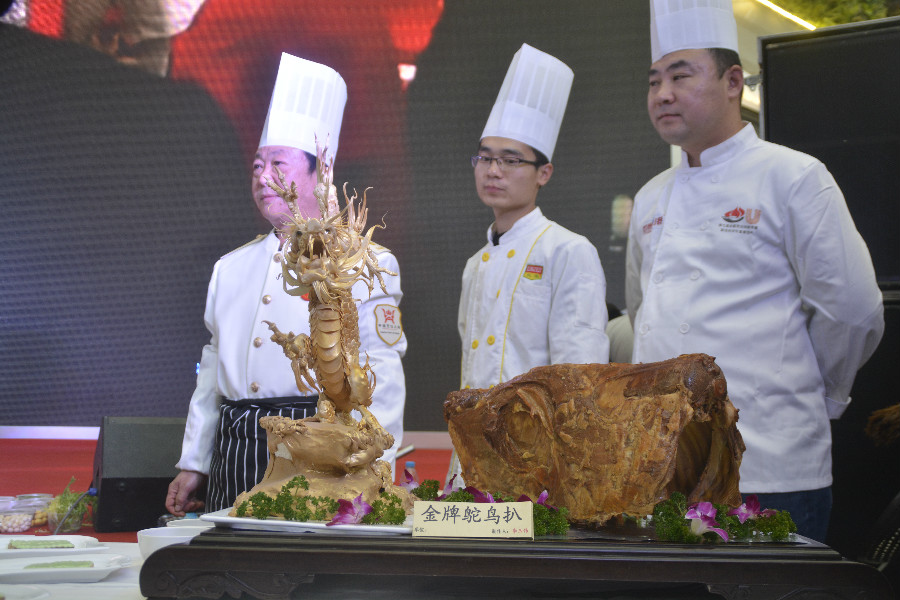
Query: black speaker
{"x": 133, "y": 465}
{"x": 832, "y": 93}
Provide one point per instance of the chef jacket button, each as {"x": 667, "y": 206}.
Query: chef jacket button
{"x": 645, "y": 328}
{"x": 695, "y": 274}
{"x": 684, "y": 178}
{"x": 485, "y": 257}
{"x": 510, "y": 254}
{"x": 714, "y": 179}
{"x": 490, "y": 340}
{"x": 277, "y": 257}
{"x": 684, "y": 328}
{"x": 658, "y": 277}
{"x": 704, "y": 225}
{"x": 257, "y": 342}
{"x": 674, "y": 225}
{"x": 474, "y": 344}
{"x": 254, "y": 387}
{"x": 267, "y": 299}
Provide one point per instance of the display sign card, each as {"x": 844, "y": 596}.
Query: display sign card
{"x": 473, "y": 519}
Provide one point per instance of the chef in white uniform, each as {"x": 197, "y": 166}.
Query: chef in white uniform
{"x": 243, "y": 375}
{"x": 535, "y": 294}
{"x": 746, "y": 251}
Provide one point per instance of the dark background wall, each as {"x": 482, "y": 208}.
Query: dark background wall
{"x": 120, "y": 189}
{"x": 849, "y": 121}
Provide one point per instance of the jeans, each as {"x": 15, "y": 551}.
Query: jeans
{"x": 810, "y": 510}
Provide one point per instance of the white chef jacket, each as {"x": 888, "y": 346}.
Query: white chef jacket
{"x": 241, "y": 362}
{"x": 753, "y": 258}
{"x": 538, "y": 298}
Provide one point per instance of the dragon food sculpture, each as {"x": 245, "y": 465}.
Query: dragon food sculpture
{"x": 323, "y": 258}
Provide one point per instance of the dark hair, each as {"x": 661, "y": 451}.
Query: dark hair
{"x": 724, "y": 59}
{"x": 540, "y": 159}
{"x": 310, "y": 160}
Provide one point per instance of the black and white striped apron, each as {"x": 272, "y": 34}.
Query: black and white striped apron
{"x": 241, "y": 455}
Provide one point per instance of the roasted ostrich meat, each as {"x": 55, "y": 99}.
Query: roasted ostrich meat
{"x": 602, "y": 439}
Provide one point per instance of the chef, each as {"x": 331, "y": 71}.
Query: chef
{"x": 535, "y": 294}
{"x": 746, "y": 251}
{"x": 243, "y": 375}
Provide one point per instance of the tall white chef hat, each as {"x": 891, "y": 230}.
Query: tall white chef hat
{"x": 532, "y": 100}
{"x": 307, "y": 102}
{"x": 691, "y": 24}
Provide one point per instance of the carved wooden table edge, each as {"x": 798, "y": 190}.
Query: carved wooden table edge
{"x": 276, "y": 566}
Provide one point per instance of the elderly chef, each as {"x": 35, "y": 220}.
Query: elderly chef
{"x": 243, "y": 374}
{"x": 746, "y": 251}
{"x": 535, "y": 294}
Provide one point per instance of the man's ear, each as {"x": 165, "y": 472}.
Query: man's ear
{"x": 734, "y": 76}
{"x": 544, "y": 173}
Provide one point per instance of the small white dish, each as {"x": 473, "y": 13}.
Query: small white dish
{"x": 13, "y": 570}
{"x": 80, "y": 545}
{"x": 151, "y": 540}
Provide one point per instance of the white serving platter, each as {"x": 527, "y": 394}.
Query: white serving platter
{"x": 13, "y": 570}
{"x": 23, "y": 592}
{"x": 80, "y": 543}
{"x": 221, "y": 519}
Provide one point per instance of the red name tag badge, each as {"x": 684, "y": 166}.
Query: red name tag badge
{"x": 534, "y": 272}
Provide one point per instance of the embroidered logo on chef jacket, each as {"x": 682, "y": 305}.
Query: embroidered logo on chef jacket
{"x": 533, "y": 272}
{"x": 387, "y": 323}
{"x": 656, "y": 222}
{"x": 740, "y": 220}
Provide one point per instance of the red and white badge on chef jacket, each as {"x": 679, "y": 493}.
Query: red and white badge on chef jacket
{"x": 387, "y": 323}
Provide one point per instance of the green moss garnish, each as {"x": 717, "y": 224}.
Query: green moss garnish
{"x": 427, "y": 490}
{"x": 671, "y": 524}
{"x": 387, "y": 509}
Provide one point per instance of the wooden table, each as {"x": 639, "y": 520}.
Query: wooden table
{"x": 275, "y": 565}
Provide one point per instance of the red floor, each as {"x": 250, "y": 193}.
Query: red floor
{"x": 46, "y": 466}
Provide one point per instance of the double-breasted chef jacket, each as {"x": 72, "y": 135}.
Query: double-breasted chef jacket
{"x": 753, "y": 258}
{"x": 537, "y": 298}
{"x": 241, "y": 362}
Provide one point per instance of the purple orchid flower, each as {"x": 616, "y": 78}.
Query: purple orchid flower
{"x": 451, "y": 487}
{"x": 542, "y": 499}
{"x": 479, "y": 496}
{"x": 750, "y": 510}
{"x": 703, "y": 520}
{"x": 350, "y": 511}
{"x": 409, "y": 482}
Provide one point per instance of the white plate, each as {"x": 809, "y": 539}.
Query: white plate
{"x": 81, "y": 543}
{"x": 221, "y": 519}
{"x": 188, "y": 523}
{"x": 13, "y": 570}
{"x": 22, "y": 592}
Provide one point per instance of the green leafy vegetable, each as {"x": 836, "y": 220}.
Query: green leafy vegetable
{"x": 292, "y": 504}
{"x": 427, "y": 490}
{"x": 671, "y": 525}
{"x": 61, "y": 503}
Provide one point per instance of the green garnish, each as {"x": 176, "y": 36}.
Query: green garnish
{"x": 671, "y": 524}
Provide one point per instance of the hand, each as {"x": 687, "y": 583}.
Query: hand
{"x": 182, "y": 495}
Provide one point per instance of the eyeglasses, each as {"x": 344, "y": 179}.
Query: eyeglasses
{"x": 504, "y": 163}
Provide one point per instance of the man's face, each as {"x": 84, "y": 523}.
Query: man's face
{"x": 294, "y": 165}
{"x": 689, "y": 104}
{"x": 511, "y": 190}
